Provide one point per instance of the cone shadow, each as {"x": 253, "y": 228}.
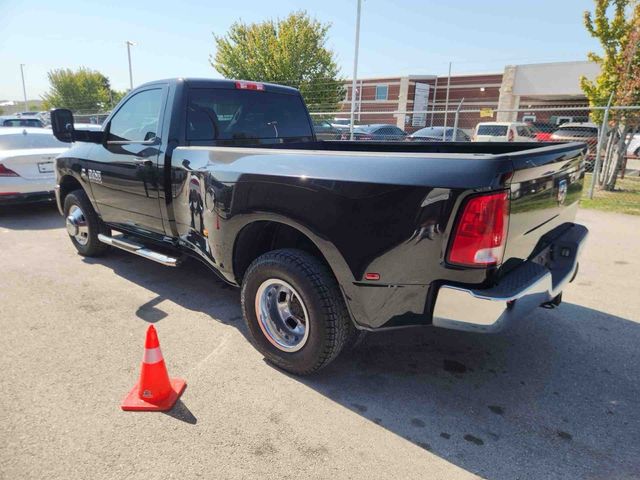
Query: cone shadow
{"x": 181, "y": 412}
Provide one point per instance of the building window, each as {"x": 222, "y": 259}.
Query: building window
{"x": 382, "y": 92}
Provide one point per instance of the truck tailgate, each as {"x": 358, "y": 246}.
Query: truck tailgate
{"x": 545, "y": 191}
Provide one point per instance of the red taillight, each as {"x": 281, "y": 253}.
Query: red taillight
{"x": 510, "y": 139}
{"x": 5, "y": 172}
{"x": 250, "y": 86}
{"x": 481, "y": 232}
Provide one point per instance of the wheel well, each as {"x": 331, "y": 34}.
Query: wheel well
{"x": 67, "y": 185}
{"x": 261, "y": 237}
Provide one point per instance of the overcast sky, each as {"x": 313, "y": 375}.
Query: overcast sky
{"x": 174, "y": 38}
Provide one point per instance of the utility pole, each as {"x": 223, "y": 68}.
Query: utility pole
{"x": 129, "y": 45}
{"x": 446, "y": 102}
{"x": 24, "y": 89}
{"x": 355, "y": 72}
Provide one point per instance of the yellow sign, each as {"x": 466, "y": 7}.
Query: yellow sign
{"x": 486, "y": 112}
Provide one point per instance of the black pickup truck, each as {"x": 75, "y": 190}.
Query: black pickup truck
{"x": 326, "y": 238}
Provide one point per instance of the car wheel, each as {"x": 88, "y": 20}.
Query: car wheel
{"x": 84, "y": 225}
{"x": 294, "y": 311}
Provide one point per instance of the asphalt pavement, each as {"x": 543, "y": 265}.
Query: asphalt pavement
{"x": 556, "y": 396}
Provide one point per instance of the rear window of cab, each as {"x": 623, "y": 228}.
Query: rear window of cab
{"x": 492, "y": 130}
{"x": 225, "y": 116}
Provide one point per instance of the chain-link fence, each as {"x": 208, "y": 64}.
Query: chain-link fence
{"x": 613, "y": 160}
{"x": 612, "y": 180}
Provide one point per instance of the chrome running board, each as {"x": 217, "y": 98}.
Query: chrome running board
{"x": 130, "y": 246}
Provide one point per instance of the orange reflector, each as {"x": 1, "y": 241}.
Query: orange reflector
{"x": 371, "y": 276}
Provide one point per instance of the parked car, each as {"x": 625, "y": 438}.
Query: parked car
{"x": 435, "y": 134}
{"x": 378, "y": 131}
{"x": 503, "y": 132}
{"x": 27, "y": 164}
{"x": 543, "y": 130}
{"x": 579, "y": 132}
{"x": 21, "y": 122}
{"x": 307, "y": 229}
{"x": 633, "y": 147}
{"x": 325, "y": 131}
{"x": 341, "y": 123}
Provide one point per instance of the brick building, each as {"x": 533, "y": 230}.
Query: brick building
{"x": 504, "y": 95}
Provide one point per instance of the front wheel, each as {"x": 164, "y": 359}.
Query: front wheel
{"x": 84, "y": 225}
{"x": 294, "y": 311}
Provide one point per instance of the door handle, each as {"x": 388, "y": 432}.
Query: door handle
{"x": 143, "y": 161}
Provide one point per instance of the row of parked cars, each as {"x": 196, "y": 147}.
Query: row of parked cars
{"x": 339, "y": 129}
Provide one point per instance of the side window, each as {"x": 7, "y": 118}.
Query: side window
{"x": 137, "y": 120}
{"x": 525, "y": 132}
{"x": 382, "y": 92}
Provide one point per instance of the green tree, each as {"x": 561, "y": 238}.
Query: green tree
{"x": 83, "y": 90}
{"x": 290, "y": 51}
{"x": 616, "y": 25}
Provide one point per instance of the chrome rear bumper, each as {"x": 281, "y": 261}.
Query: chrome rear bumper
{"x": 520, "y": 291}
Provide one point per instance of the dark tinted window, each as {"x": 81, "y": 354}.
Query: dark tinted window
{"x": 244, "y": 116}
{"x": 22, "y": 122}
{"x": 492, "y": 130}
{"x": 525, "y": 132}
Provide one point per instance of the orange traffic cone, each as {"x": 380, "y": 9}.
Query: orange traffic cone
{"x": 155, "y": 391}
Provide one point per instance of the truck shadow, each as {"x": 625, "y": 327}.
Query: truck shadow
{"x": 31, "y": 216}
{"x": 192, "y": 286}
{"x": 556, "y": 396}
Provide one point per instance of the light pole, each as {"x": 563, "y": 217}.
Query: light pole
{"x": 129, "y": 45}
{"x": 446, "y": 104}
{"x": 24, "y": 89}
{"x": 355, "y": 72}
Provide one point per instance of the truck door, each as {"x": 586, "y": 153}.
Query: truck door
{"x": 124, "y": 173}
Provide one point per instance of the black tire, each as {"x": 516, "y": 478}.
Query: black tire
{"x": 93, "y": 247}
{"x": 328, "y": 320}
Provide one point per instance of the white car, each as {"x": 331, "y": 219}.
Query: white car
{"x": 503, "y": 132}
{"x": 341, "y": 123}
{"x": 633, "y": 148}
{"x": 27, "y": 157}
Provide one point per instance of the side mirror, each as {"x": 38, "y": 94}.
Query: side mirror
{"x": 62, "y": 125}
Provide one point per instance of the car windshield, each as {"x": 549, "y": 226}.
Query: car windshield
{"x": 22, "y": 122}
{"x": 492, "y": 130}
{"x": 20, "y": 141}
{"x": 233, "y": 116}
{"x": 578, "y": 131}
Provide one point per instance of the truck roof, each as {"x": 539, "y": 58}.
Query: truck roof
{"x": 220, "y": 83}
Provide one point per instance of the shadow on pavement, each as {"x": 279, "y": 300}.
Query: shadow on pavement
{"x": 192, "y": 286}
{"x": 31, "y": 216}
{"x": 556, "y": 396}
{"x": 181, "y": 412}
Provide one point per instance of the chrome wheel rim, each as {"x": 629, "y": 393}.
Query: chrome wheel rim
{"x": 77, "y": 226}
{"x": 282, "y": 315}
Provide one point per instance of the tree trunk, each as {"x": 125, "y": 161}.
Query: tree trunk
{"x": 617, "y": 159}
{"x": 606, "y": 161}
